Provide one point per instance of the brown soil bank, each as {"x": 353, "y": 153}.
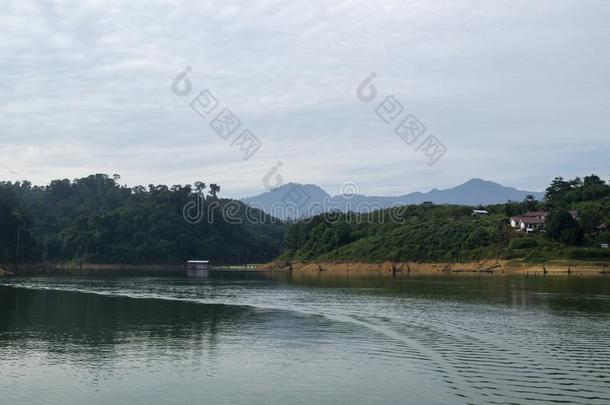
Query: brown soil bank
{"x": 497, "y": 267}
{"x": 487, "y": 267}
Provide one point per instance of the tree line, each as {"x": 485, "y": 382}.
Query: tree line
{"x": 95, "y": 219}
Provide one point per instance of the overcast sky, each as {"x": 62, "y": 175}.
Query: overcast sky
{"x": 517, "y": 91}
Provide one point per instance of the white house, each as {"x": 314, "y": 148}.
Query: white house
{"x": 532, "y": 221}
{"x": 529, "y": 221}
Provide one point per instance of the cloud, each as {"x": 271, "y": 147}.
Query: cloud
{"x": 517, "y": 91}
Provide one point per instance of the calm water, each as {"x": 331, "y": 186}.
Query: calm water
{"x": 329, "y": 339}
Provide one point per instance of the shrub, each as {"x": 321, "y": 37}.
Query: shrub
{"x": 523, "y": 243}
{"x": 590, "y": 254}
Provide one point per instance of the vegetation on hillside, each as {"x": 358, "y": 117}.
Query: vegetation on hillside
{"x": 451, "y": 233}
{"x": 94, "y": 219}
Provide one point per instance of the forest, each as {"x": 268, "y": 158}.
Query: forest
{"x": 94, "y": 219}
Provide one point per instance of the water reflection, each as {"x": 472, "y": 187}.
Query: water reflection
{"x": 93, "y": 325}
{"x": 279, "y": 338}
{"x": 587, "y": 294}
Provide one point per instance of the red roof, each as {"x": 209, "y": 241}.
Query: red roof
{"x": 535, "y": 214}
{"x": 531, "y": 221}
{"x": 536, "y": 217}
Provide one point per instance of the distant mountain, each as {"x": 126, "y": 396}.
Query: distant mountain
{"x": 295, "y": 200}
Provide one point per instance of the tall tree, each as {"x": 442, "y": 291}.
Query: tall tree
{"x": 531, "y": 203}
{"x": 199, "y": 187}
{"x": 555, "y": 193}
{"x": 214, "y": 190}
{"x": 561, "y": 226}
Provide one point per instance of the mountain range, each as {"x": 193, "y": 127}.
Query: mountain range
{"x": 293, "y": 200}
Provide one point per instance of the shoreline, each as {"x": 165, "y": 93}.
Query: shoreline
{"x": 72, "y": 267}
{"x": 488, "y": 267}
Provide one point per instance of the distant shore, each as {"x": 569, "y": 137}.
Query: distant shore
{"x": 74, "y": 267}
{"x": 77, "y": 267}
{"x": 491, "y": 267}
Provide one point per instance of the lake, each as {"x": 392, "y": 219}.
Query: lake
{"x": 276, "y": 338}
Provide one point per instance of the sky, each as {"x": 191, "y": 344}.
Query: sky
{"x": 516, "y": 92}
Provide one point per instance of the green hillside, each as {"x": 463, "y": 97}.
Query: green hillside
{"x": 94, "y": 219}
{"x": 451, "y": 233}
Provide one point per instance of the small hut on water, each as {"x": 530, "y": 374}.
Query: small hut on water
{"x": 197, "y": 264}
{"x": 197, "y": 268}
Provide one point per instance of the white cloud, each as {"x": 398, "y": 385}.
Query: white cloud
{"x": 518, "y": 91}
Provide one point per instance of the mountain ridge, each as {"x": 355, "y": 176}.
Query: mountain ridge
{"x": 297, "y": 200}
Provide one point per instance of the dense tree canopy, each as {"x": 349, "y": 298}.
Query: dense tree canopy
{"x": 15, "y": 239}
{"x": 94, "y": 219}
{"x": 562, "y": 193}
{"x": 561, "y": 226}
